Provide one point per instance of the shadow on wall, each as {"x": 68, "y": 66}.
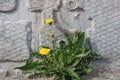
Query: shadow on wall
{"x": 29, "y": 36}
{"x": 99, "y": 67}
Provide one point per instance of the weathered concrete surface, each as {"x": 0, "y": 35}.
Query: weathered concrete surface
{"x": 102, "y": 76}
{"x": 3, "y": 73}
{"x": 105, "y": 38}
{"x": 78, "y": 20}
{"x": 38, "y": 5}
{"x": 7, "y": 5}
{"x": 73, "y": 16}
{"x": 15, "y": 40}
{"x": 17, "y": 25}
{"x": 100, "y": 19}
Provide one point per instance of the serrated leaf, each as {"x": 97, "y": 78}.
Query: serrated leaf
{"x": 72, "y": 73}
{"x": 30, "y": 65}
{"x": 85, "y": 52}
{"x": 88, "y": 69}
{"x": 81, "y": 39}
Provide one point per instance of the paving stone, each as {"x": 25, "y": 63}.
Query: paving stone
{"x": 37, "y": 5}
{"x": 7, "y": 5}
{"x": 3, "y": 73}
{"x": 15, "y": 40}
{"x": 105, "y": 37}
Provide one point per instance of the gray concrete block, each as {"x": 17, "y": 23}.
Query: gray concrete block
{"x": 3, "y": 72}
{"x": 7, "y": 5}
{"x": 15, "y": 40}
{"x": 105, "y": 37}
{"x": 37, "y": 5}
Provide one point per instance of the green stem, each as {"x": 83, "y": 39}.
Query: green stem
{"x": 46, "y": 59}
{"x": 51, "y": 38}
{"x": 77, "y": 62}
{"x": 53, "y": 45}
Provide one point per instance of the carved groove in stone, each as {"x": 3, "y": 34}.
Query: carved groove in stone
{"x": 71, "y": 4}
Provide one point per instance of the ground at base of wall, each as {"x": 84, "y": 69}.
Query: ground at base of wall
{"x": 100, "y": 76}
{"x": 103, "y": 76}
{"x": 21, "y": 77}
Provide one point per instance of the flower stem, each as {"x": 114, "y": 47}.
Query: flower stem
{"x": 46, "y": 59}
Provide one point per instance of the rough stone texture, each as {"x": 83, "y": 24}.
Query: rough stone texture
{"x": 73, "y": 16}
{"x": 100, "y": 19}
{"x": 16, "y": 16}
{"x": 103, "y": 76}
{"x": 3, "y": 73}
{"x": 37, "y": 5}
{"x": 7, "y": 5}
{"x": 105, "y": 38}
{"x": 44, "y": 38}
{"x": 23, "y": 78}
{"x": 21, "y": 21}
{"x": 76, "y": 18}
{"x": 15, "y": 40}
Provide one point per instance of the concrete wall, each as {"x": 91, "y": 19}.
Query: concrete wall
{"x": 22, "y": 28}
{"x": 17, "y": 29}
{"x": 105, "y": 38}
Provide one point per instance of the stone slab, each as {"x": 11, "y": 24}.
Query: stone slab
{"x": 105, "y": 39}
{"x": 7, "y": 5}
{"x": 36, "y": 5}
{"x": 15, "y": 40}
{"x": 3, "y": 73}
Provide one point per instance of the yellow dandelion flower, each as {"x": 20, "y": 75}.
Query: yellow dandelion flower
{"x": 51, "y": 34}
{"x": 49, "y": 21}
{"x": 44, "y": 51}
